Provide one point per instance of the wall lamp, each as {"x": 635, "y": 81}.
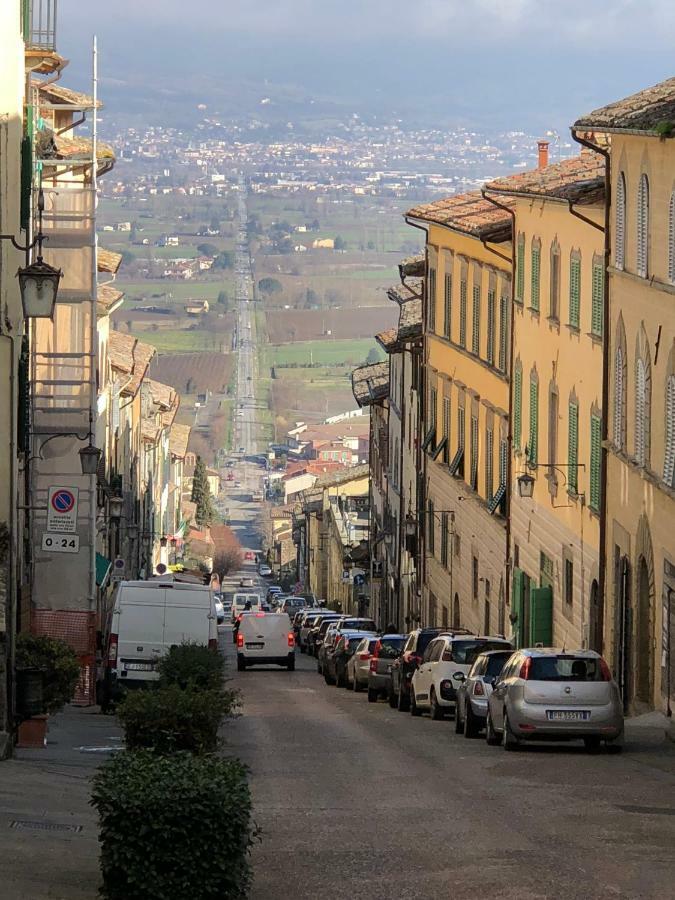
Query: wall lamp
{"x": 526, "y": 481}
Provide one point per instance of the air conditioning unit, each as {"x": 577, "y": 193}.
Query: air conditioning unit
{"x": 377, "y": 569}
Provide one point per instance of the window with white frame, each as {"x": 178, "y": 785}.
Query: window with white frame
{"x": 641, "y": 412}
{"x": 619, "y": 397}
{"x": 669, "y": 460}
{"x": 620, "y": 222}
{"x": 643, "y": 227}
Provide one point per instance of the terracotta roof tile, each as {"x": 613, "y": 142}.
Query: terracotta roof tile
{"x": 166, "y": 398}
{"x": 371, "y": 383}
{"x": 58, "y": 146}
{"x": 641, "y": 112}
{"x": 108, "y": 260}
{"x": 413, "y": 266}
{"x": 107, "y": 299}
{"x": 467, "y": 213}
{"x": 387, "y": 339}
{"x": 582, "y": 177}
{"x": 178, "y": 439}
{"x": 410, "y": 321}
{"x": 63, "y": 96}
{"x": 401, "y": 293}
{"x": 351, "y": 473}
{"x": 132, "y": 357}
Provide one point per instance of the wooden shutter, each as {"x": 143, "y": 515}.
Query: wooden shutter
{"x": 534, "y": 420}
{"x": 517, "y": 408}
{"x": 475, "y": 336}
{"x": 432, "y": 301}
{"x": 643, "y": 227}
{"x": 618, "y": 398}
{"x": 669, "y": 458}
{"x": 447, "y": 306}
{"x": 517, "y": 602}
{"x": 620, "y": 223}
{"x": 491, "y": 327}
{"x": 541, "y": 616}
{"x": 503, "y": 330}
{"x": 596, "y": 441}
{"x": 575, "y": 291}
{"x": 462, "y": 312}
{"x": 535, "y": 275}
{"x": 446, "y": 428}
{"x": 489, "y": 450}
{"x": 671, "y": 239}
{"x": 597, "y": 298}
{"x": 503, "y": 453}
{"x": 444, "y": 539}
{"x": 640, "y": 411}
{"x": 554, "y": 300}
{"x": 474, "y": 452}
{"x": 520, "y": 269}
{"x": 573, "y": 448}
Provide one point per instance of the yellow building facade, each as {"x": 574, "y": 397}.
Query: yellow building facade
{"x": 639, "y": 620}
{"x": 556, "y": 405}
{"x": 465, "y": 420}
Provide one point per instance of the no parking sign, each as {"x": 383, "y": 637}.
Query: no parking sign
{"x": 62, "y": 510}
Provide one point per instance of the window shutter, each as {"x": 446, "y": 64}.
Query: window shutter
{"x": 597, "y": 298}
{"x": 640, "y": 411}
{"x": 541, "y": 616}
{"x": 26, "y": 180}
{"x": 643, "y": 226}
{"x": 618, "y": 398}
{"x": 669, "y": 461}
{"x": 489, "y": 450}
{"x": 671, "y": 239}
{"x": 447, "y": 306}
{"x": 575, "y": 291}
{"x": 474, "y": 453}
{"x": 475, "y": 336}
{"x": 446, "y": 428}
{"x": 620, "y": 223}
{"x": 520, "y": 269}
{"x": 596, "y": 440}
{"x": 462, "y": 312}
{"x": 491, "y": 327}
{"x": 573, "y": 449}
{"x": 535, "y": 277}
{"x": 432, "y": 300}
{"x": 503, "y": 330}
{"x": 534, "y": 420}
{"x": 554, "y": 301}
{"x": 517, "y": 408}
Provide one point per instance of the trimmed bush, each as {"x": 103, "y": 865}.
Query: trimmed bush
{"x": 59, "y": 663}
{"x": 192, "y": 665}
{"x": 171, "y": 719}
{"x": 173, "y": 827}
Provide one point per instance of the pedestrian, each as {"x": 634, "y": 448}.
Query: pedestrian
{"x": 391, "y": 629}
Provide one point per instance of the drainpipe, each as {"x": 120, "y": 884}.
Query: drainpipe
{"x": 7, "y": 686}
{"x": 509, "y": 435}
{"x": 605, "y": 386}
{"x": 401, "y": 526}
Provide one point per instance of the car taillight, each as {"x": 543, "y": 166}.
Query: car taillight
{"x": 213, "y": 643}
{"x": 525, "y": 668}
{"x": 364, "y": 656}
{"x": 413, "y": 658}
{"x": 240, "y": 640}
{"x": 478, "y": 689}
{"x": 112, "y": 650}
{"x": 291, "y": 639}
{"x": 605, "y": 671}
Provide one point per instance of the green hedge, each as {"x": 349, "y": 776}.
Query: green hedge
{"x": 173, "y": 828}
{"x": 59, "y": 663}
{"x": 171, "y": 718}
{"x": 192, "y": 664}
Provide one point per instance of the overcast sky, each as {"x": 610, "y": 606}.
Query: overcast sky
{"x": 516, "y": 60}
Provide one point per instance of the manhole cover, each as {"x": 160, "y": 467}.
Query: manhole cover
{"x": 44, "y": 826}
{"x": 647, "y": 810}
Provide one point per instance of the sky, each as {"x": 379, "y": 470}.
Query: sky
{"x": 508, "y": 63}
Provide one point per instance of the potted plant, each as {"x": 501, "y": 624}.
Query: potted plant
{"x": 47, "y": 674}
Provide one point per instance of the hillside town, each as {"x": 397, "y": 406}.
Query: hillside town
{"x": 211, "y": 470}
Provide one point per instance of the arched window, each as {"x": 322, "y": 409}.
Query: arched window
{"x": 643, "y": 227}
{"x": 669, "y": 460}
{"x": 619, "y": 395}
{"x": 641, "y": 411}
{"x": 620, "y": 222}
{"x": 671, "y": 239}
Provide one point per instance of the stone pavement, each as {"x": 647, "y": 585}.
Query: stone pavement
{"x": 48, "y": 831}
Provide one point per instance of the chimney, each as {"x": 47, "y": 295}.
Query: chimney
{"x": 542, "y": 148}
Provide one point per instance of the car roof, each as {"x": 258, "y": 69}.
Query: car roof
{"x": 556, "y": 651}
{"x": 507, "y": 650}
{"x": 393, "y": 634}
{"x": 358, "y": 634}
{"x": 462, "y": 635}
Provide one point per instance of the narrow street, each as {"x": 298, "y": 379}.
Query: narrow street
{"x": 359, "y": 800}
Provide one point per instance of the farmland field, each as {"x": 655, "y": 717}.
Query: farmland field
{"x": 289, "y": 325}
{"x": 327, "y": 351}
{"x": 194, "y": 373}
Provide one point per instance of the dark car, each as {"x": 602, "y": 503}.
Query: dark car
{"x": 403, "y": 668}
{"x": 316, "y": 635}
{"x": 336, "y": 659}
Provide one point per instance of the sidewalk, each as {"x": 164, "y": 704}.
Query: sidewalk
{"x": 48, "y": 831}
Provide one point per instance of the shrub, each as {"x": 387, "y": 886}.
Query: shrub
{"x": 191, "y": 664}
{"x": 171, "y": 719}
{"x": 59, "y": 663}
{"x": 173, "y": 827}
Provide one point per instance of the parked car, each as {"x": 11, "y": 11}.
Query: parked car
{"x": 474, "y": 690}
{"x": 264, "y": 570}
{"x": 310, "y": 619}
{"x": 264, "y": 639}
{"x": 348, "y": 623}
{"x": 239, "y": 601}
{"x": 555, "y": 695}
{"x": 291, "y": 605}
{"x": 326, "y": 644}
{"x": 403, "y": 668}
{"x": 245, "y": 582}
{"x": 358, "y": 666}
{"x": 335, "y": 666}
{"x": 272, "y": 592}
{"x": 249, "y": 554}
{"x": 446, "y": 660}
{"x": 316, "y": 634}
{"x": 386, "y": 650}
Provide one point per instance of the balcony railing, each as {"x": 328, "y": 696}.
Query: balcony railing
{"x": 39, "y": 24}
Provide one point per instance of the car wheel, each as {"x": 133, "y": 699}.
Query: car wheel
{"x": 434, "y": 709}
{"x": 329, "y": 679}
{"x": 372, "y": 695}
{"x": 403, "y": 702}
{"x": 471, "y": 723}
{"x": 592, "y": 744}
{"x": 491, "y": 735}
{"x": 509, "y": 740}
{"x": 391, "y": 697}
{"x": 339, "y": 679}
{"x": 357, "y": 686}
{"x": 318, "y": 668}
{"x": 459, "y": 724}
{"x": 414, "y": 708}
{"x": 241, "y": 664}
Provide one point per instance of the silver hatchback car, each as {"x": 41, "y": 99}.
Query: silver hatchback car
{"x": 474, "y": 690}
{"x": 555, "y": 695}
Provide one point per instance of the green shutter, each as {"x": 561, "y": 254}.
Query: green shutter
{"x": 573, "y": 449}
{"x": 597, "y": 300}
{"x": 541, "y": 616}
{"x": 575, "y": 291}
{"x": 596, "y": 440}
{"x": 26, "y": 181}
{"x": 503, "y": 328}
{"x": 535, "y": 279}
{"x": 448, "y": 305}
{"x": 475, "y": 336}
{"x": 517, "y": 408}
{"x": 520, "y": 269}
{"x": 534, "y": 421}
{"x": 491, "y": 328}
{"x": 432, "y": 300}
{"x": 517, "y": 598}
{"x": 462, "y": 313}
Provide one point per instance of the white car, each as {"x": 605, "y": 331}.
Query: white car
{"x": 265, "y": 639}
{"x": 264, "y": 570}
{"x": 445, "y": 664}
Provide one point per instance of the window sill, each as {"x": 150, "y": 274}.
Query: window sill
{"x": 595, "y": 338}
{"x": 534, "y": 311}
{"x": 573, "y": 329}
{"x": 554, "y": 322}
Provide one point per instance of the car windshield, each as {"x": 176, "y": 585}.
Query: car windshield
{"x": 565, "y": 668}
{"x": 391, "y": 647}
{"x": 496, "y": 664}
{"x": 465, "y": 652}
{"x": 425, "y": 638}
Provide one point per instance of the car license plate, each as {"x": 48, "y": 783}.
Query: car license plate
{"x": 254, "y": 646}
{"x": 568, "y": 715}
{"x": 138, "y": 667}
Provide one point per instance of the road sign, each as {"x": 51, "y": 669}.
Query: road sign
{"x": 61, "y": 543}
{"x": 119, "y": 565}
{"x": 62, "y": 510}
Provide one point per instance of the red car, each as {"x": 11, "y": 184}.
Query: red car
{"x": 230, "y": 476}
{"x": 249, "y": 554}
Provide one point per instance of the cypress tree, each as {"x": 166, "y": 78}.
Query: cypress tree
{"x": 201, "y": 494}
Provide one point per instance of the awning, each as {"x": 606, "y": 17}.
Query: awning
{"x": 103, "y": 567}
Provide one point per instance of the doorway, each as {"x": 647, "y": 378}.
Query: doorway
{"x": 643, "y": 662}
{"x": 455, "y": 612}
{"x": 595, "y": 619}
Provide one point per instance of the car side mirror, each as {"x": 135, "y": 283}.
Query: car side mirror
{"x": 459, "y": 676}
{"x": 495, "y": 681}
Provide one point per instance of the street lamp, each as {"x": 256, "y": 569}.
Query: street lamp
{"x": 89, "y": 457}
{"x": 526, "y": 481}
{"x": 163, "y": 541}
{"x": 115, "y": 505}
{"x": 525, "y": 486}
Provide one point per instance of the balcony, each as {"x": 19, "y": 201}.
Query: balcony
{"x": 39, "y": 34}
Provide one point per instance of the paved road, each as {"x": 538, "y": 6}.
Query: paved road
{"x": 358, "y": 800}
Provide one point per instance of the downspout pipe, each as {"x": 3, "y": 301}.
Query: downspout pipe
{"x": 11, "y": 601}
{"x": 603, "y": 151}
{"x": 509, "y": 435}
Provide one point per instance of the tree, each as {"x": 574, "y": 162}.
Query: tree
{"x": 339, "y": 243}
{"x": 224, "y": 260}
{"x": 207, "y": 249}
{"x": 201, "y": 494}
{"x": 215, "y": 224}
{"x": 270, "y": 286}
{"x": 223, "y": 300}
{"x": 228, "y": 559}
{"x": 373, "y": 357}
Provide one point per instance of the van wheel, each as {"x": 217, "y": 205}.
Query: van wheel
{"x": 241, "y": 664}
{"x": 290, "y": 665}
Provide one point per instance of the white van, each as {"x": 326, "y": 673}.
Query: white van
{"x": 148, "y": 618}
{"x": 265, "y": 638}
{"x": 239, "y": 602}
